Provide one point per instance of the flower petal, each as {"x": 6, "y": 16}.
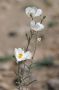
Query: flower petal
{"x": 32, "y": 23}
{"x": 39, "y": 12}
{"x": 19, "y": 51}
{"x": 21, "y": 55}
{"x": 33, "y": 11}
{"x": 16, "y": 51}
{"x": 36, "y": 26}
{"x": 20, "y": 59}
{"x": 39, "y": 39}
{"x": 28, "y": 10}
{"x": 28, "y": 55}
{"x": 40, "y": 26}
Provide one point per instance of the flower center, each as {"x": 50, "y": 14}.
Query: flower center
{"x": 20, "y": 55}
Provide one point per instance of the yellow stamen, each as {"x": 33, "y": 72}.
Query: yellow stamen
{"x": 20, "y": 55}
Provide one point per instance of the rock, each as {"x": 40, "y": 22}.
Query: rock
{"x": 2, "y": 88}
{"x": 53, "y": 84}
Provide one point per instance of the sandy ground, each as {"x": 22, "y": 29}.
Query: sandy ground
{"x": 14, "y": 20}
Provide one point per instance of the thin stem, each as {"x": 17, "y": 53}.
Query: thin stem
{"x": 18, "y": 76}
{"x": 28, "y": 44}
{"x": 33, "y": 53}
{"x": 31, "y": 82}
{"x": 35, "y": 46}
{"x": 31, "y": 16}
{"x": 29, "y": 40}
{"x": 43, "y": 18}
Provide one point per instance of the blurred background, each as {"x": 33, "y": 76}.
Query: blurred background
{"x": 13, "y": 26}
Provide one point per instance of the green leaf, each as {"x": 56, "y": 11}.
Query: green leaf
{"x": 45, "y": 62}
{"x": 47, "y": 3}
{"x": 52, "y": 24}
{"x": 31, "y": 82}
{"x": 7, "y": 58}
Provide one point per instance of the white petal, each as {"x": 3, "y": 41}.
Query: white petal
{"x": 16, "y": 52}
{"x": 20, "y": 50}
{"x": 39, "y": 12}
{"x": 20, "y": 59}
{"x": 33, "y": 11}
{"x": 40, "y": 26}
{"x": 39, "y": 39}
{"x": 36, "y": 26}
{"x": 34, "y": 8}
{"x": 28, "y": 55}
{"x": 32, "y": 23}
{"x": 28, "y": 10}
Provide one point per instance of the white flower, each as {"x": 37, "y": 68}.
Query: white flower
{"x": 21, "y": 55}
{"x": 36, "y": 26}
{"x": 33, "y": 11}
{"x": 39, "y": 39}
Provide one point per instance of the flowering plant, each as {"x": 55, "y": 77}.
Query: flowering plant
{"x": 33, "y": 11}
{"x": 36, "y": 26}
{"x": 21, "y": 55}
{"x": 24, "y": 55}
